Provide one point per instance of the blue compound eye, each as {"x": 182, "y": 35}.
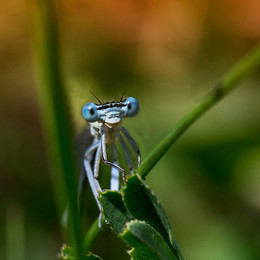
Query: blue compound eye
{"x": 132, "y": 106}
{"x": 90, "y": 113}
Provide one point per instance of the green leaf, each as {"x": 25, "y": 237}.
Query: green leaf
{"x": 68, "y": 253}
{"x": 143, "y": 205}
{"x": 141, "y": 202}
{"x": 91, "y": 256}
{"x": 146, "y": 242}
{"x": 114, "y": 210}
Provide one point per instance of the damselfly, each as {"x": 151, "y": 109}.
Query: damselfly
{"x": 106, "y": 126}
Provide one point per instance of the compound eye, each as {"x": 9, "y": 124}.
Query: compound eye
{"x": 132, "y": 106}
{"x": 90, "y": 113}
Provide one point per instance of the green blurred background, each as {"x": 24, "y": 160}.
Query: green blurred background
{"x": 167, "y": 54}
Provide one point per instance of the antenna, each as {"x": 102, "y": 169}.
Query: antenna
{"x": 96, "y": 97}
{"x": 121, "y": 99}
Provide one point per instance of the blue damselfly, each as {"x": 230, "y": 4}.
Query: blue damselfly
{"x": 111, "y": 142}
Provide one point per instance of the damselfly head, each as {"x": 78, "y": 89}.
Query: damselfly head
{"x": 132, "y": 107}
{"x": 111, "y": 112}
{"x": 90, "y": 112}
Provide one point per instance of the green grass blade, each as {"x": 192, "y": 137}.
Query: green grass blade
{"x": 15, "y": 237}
{"x": 91, "y": 236}
{"x": 54, "y": 111}
{"x": 234, "y": 76}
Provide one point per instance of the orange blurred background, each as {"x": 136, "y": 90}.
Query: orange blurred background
{"x": 167, "y": 54}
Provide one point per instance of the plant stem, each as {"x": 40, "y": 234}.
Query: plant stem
{"x": 230, "y": 80}
{"x": 92, "y": 235}
{"x": 55, "y": 117}
{"x": 15, "y": 237}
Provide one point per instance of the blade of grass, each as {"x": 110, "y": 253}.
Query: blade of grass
{"x": 230, "y": 80}
{"x": 92, "y": 235}
{"x": 54, "y": 111}
{"x": 15, "y": 238}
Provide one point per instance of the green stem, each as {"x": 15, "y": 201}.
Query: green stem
{"x": 55, "y": 116}
{"x": 92, "y": 235}
{"x": 15, "y": 237}
{"x": 250, "y": 62}
{"x": 229, "y": 81}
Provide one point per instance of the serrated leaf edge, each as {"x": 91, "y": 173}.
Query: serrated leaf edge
{"x": 141, "y": 221}
{"x": 169, "y": 233}
{"x": 102, "y": 209}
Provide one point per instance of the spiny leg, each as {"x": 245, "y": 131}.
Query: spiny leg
{"x": 97, "y": 161}
{"x": 88, "y": 155}
{"x": 104, "y": 154}
{"x": 95, "y": 187}
{"x": 103, "y": 147}
{"x": 93, "y": 182}
{"x": 133, "y": 143}
{"x": 89, "y": 152}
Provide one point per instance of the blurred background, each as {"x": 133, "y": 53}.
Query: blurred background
{"x": 168, "y": 55}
